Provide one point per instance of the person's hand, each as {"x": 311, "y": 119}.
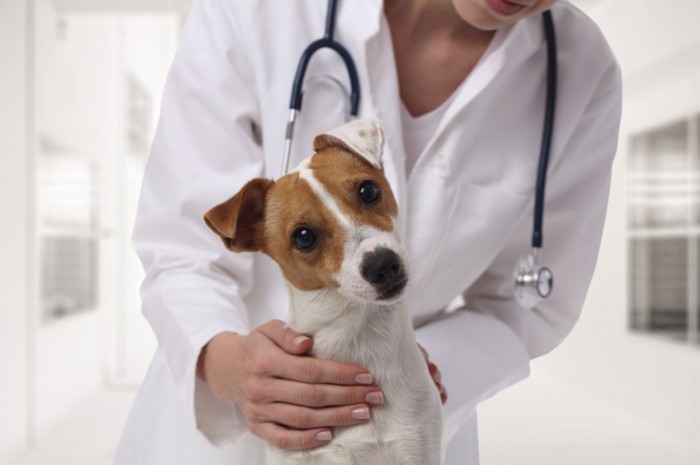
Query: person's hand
{"x": 288, "y": 399}
{"x": 435, "y": 373}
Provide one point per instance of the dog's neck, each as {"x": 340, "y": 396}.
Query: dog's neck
{"x": 346, "y": 330}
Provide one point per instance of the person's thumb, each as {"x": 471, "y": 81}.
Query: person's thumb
{"x": 286, "y": 338}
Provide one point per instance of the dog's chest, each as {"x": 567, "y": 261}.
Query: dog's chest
{"x": 406, "y": 428}
{"x": 386, "y": 347}
{"x": 374, "y": 342}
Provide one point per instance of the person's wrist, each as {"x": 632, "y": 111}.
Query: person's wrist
{"x": 223, "y": 339}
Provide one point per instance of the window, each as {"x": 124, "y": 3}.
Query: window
{"x": 68, "y": 239}
{"x": 664, "y": 228}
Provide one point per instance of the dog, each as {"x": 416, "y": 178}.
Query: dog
{"x": 331, "y": 226}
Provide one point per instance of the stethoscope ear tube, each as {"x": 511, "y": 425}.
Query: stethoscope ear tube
{"x": 548, "y": 128}
{"x": 297, "y": 94}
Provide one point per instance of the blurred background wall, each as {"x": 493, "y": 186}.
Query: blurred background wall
{"x": 80, "y": 90}
{"x": 80, "y": 85}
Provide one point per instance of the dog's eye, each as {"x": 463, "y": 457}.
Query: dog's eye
{"x": 304, "y": 238}
{"x": 369, "y": 192}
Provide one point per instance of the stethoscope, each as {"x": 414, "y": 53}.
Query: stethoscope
{"x": 533, "y": 281}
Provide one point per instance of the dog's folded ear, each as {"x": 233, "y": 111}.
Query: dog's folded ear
{"x": 239, "y": 220}
{"x": 362, "y": 137}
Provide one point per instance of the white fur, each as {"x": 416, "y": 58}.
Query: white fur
{"x": 325, "y": 197}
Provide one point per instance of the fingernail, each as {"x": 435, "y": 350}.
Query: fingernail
{"x": 363, "y": 378}
{"x": 360, "y": 413}
{"x": 324, "y": 436}
{"x": 374, "y": 397}
{"x": 299, "y": 340}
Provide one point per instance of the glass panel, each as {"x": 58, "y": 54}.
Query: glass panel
{"x": 67, "y": 220}
{"x": 69, "y": 276}
{"x": 658, "y": 178}
{"x": 659, "y": 286}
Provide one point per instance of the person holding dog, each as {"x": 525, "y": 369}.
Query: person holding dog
{"x": 459, "y": 87}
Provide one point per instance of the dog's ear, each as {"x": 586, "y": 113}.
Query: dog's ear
{"x": 239, "y": 220}
{"x": 362, "y": 137}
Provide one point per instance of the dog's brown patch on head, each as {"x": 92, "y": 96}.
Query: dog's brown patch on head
{"x": 342, "y": 173}
{"x": 291, "y": 204}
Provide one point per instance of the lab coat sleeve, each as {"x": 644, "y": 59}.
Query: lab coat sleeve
{"x": 204, "y": 150}
{"x": 486, "y": 345}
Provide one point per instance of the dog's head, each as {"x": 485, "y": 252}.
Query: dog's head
{"x": 330, "y": 223}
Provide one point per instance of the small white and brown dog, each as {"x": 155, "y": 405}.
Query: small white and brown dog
{"x": 331, "y": 226}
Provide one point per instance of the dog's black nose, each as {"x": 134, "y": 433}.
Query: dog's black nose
{"x": 382, "y": 269}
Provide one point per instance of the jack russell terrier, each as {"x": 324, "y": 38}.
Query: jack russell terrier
{"x": 330, "y": 224}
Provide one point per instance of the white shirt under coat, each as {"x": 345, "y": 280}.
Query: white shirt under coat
{"x": 465, "y": 209}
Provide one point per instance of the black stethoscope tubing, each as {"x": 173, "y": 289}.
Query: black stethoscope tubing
{"x": 327, "y": 41}
{"x": 547, "y": 130}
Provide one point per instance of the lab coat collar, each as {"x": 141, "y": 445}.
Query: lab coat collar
{"x": 509, "y": 47}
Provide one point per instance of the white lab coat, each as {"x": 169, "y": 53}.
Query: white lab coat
{"x": 466, "y": 208}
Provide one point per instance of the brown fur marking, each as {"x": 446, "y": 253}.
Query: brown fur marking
{"x": 292, "y": 204}
{"x": 341, "y": 173}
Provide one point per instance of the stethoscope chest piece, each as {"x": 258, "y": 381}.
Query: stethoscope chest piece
{"x": 533, "y": 282}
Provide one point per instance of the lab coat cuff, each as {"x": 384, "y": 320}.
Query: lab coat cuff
{"x": 478, "y": 355}
{"x": 221, "y": 422}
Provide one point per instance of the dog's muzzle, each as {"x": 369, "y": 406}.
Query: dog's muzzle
{"x": 382, "y": 268}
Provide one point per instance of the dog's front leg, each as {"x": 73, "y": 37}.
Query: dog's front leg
{"x": 421, "y": 446}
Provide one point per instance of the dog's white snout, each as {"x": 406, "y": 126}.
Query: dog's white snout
{"x": 374, "y": 268}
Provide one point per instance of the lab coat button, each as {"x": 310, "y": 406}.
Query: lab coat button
{"x": 441, "y": 166}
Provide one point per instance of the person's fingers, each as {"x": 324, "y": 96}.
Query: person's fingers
{"x": 316, "y": 395}
{"x": 285, "y": 438}
{"x": 432, "y": 369}
{"x": 286, "y": 338}
{"x": 298, "y": 417}
{"x": 317, "y": 370}
{"x": 435, "y": 372}
{"x": 442, "y": 391}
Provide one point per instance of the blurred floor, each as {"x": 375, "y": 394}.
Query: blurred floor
{"x": 546, "y": 421}
{"x": 542, "y": 421}
{"x": 88, "y": 437}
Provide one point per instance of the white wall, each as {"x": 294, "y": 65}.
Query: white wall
{"x": 658, "y": 46}
{"x": 84, "y": 63}
{"x": 74, "y": 109}
{"x": 73, "y": 96}
{"x": 13, "y": 227}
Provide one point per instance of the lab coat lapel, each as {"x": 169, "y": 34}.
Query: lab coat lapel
{"x": 511, "y": 45}
{"x": 438, "y": 192}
